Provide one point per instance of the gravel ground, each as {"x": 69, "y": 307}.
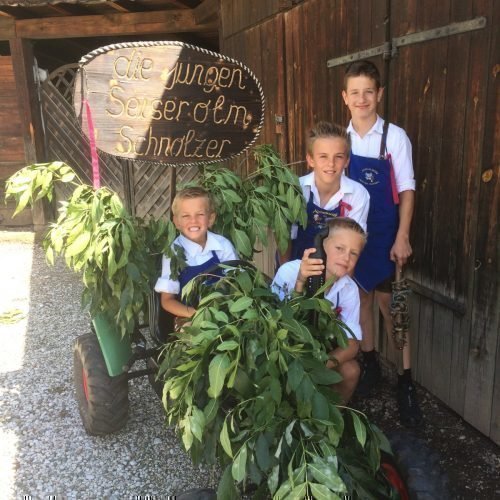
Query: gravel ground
{"x": 44, "y": 449}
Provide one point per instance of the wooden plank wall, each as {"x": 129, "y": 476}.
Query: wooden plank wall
{"x": 11, "y": 144}
{"x": 261, "y": 47}
{"x": 444, "y": 93}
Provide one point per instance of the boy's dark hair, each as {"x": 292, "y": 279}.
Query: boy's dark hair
{"x": 345, "y": 223}
{"x": 190, "y": 193}
{"x": 324, "y": 130}
{"x": 362, "y": 68}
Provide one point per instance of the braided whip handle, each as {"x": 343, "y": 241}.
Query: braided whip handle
{"x": 399, "y": 310}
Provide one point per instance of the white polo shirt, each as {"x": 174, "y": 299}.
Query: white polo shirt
{"x": 398, "y": 145}
{"x": 195, "y": 256}
{"x": 351, "y": 192}
{"x": 344, "y": 288}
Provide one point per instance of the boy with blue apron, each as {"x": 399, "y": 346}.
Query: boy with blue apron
{"x": 329, "y": 193}
{"x": 388, "y": 222}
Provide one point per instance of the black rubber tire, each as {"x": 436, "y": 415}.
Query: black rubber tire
{"x": 102, "y": 400}
{"x": 418, "y": 466}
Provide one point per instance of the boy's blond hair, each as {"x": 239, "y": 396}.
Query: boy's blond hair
{"x": 337, "y": 223}
{"x": 190, "y": 193}
{"x": 325, "y": 130}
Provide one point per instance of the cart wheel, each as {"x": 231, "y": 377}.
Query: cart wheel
{"x": 414, "y": 470}
{"x": 102, "y": 400}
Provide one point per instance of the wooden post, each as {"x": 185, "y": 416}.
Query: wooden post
{"x": 31, "y": 121}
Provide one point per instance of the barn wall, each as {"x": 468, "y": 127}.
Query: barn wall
{"x": 11, "y": 143}
{"x": 444, "y": 92}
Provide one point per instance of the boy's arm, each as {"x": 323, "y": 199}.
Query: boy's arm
{"x": 401, "y": 248}
{"x": 171, "y": 304}
{"x": 341, "y": 355}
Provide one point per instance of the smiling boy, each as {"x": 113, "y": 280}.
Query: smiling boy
{"x": 327, "y": 191}
{"x": 193, "y": 216}
{"x": 381, "y": 160}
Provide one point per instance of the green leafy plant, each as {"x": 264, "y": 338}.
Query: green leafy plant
{"x": 246, "y": 384}
{"x": 269, "y": 198}
{"x": 115, "y": 253}
{"x": 118, "y": 254}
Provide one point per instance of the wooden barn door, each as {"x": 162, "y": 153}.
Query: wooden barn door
{"x": 261, "y": 48}
{"x": 441, "y": 88}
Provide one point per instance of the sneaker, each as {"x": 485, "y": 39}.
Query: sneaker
{"x": 409, "y": 409}
{"x": 369, "y": 378}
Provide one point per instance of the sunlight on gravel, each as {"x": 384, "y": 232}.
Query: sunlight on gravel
{"x": 44, "y": 449}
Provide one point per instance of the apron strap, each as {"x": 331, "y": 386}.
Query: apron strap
{"x": 382, "y": 155}
{"x": 384, "y": 140}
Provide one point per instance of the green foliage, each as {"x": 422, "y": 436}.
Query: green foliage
{"x": 115, "y": 253}
{"x": 269, "y": 198}
{"x": 246, "y": 384}
{"x": 118, "y": 254}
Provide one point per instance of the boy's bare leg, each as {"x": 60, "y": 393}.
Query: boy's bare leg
{"x": 366, "y": 320}
{"x": 350, "y": 371}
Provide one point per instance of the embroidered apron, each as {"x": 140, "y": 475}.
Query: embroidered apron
{"x": 377, "y": 176}
{"x": 190, "y": 272}
{"x": 316, "y": 216}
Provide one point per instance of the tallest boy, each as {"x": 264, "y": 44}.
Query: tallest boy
{"x": 381, "y": 160}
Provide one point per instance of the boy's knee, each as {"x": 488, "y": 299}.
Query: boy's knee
{"x": 350, "y": 370}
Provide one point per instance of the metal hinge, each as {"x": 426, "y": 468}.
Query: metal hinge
{"x": 390, "y": 49}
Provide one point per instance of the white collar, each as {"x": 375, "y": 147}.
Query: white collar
{"x": 194, "y": 248}
{"x": 377, "y": 127}
{"x": 346, "y": 185}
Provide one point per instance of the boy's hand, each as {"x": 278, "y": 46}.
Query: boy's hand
{"x": 309, "y": 267}
{"x": 401, "y": 250}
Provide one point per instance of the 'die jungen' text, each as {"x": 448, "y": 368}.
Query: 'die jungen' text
{"x": 138, "y": 68}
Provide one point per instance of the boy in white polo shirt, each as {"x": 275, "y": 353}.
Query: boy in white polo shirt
{"x": 381, "y": 160}
{"x": 343, "y": 246}
{"x": 194, "y": 214}
{"x": 327, "y": 191}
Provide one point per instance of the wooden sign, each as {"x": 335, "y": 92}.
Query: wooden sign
{"x": 168, "y": 102}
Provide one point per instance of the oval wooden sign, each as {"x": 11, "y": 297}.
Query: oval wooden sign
{"x": 168, "y": 102}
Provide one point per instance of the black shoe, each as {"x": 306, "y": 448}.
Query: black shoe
{"x": 369, "y": 378}
{"x": 409, "y": 409}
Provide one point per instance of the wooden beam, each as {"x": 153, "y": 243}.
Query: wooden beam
{"x": 160, "y": 22}
{"x": 58, "y": 9}
{"x": 208, "y": 10}
{"x": 7, "y": 28}
{"x": 117, "y": 6}
{"x": 23, "y": 62}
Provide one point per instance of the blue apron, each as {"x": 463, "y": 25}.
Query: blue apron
{"x": 190, "y": 272}
{"x": 316, "y": 216}
{"x": 374, "y": 265}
